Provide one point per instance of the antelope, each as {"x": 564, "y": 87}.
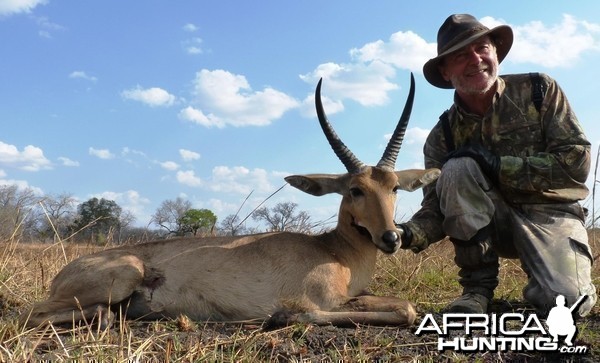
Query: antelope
{"x": 278, "y": 278}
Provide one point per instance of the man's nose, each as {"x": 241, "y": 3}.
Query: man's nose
{"x": 473, "y": 56}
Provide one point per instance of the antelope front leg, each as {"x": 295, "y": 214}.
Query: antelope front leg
{"x": 377, "y": 310}
{"x": 366, "y": 309}
{"x": 375, "y": 303}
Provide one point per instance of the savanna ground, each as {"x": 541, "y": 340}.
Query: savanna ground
{"x": 427, "y": 279}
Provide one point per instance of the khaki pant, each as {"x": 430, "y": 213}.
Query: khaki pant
{"x": 549, "y": 239}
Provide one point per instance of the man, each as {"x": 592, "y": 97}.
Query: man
{"x": 511, "y": 176}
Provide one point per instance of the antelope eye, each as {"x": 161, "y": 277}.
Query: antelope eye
{"x": 396, "y": 189}
{"x": 356, "y": 192}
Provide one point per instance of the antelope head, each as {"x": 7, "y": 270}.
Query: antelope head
{"x": 369, "y": 192}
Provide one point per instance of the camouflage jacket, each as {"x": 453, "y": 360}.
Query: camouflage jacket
{"x": 544, "y": 156}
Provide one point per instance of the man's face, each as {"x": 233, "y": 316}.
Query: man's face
{"x": 472, "y": 69}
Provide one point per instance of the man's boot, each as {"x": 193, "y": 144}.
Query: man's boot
{"x": 469, "y": 303}
{"x": 478, "y": 274}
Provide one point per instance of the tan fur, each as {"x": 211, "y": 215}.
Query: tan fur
{"x": 301, "y": 277}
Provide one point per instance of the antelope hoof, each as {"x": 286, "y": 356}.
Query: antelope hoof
{"x": 105, "y": 317}
{"x": 279, "y": 319}
{"x": 407, "y": 313}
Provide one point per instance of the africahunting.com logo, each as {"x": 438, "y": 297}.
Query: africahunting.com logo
{"x": 506, "y": 332}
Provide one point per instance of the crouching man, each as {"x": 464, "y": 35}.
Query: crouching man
{"x": 514, "y": 161}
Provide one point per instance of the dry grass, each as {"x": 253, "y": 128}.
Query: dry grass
{"x": 428, "y": 279}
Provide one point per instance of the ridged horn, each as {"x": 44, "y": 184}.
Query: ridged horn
{"x": 351, "y": 162}
{"x": 388, "y": 160}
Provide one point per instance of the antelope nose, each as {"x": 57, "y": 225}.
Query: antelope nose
{"x": 391, "y": 239}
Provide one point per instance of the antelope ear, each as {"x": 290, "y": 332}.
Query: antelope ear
{"x": 414, "y": 179}
{"x": 319, "y": 184}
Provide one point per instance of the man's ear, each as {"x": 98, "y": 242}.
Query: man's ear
{"x": 319, "y": 184}
{"x": 442, "y": 69}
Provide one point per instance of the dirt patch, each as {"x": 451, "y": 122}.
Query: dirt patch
{"x": 308, "y": 343}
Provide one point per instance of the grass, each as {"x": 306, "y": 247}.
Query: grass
{"x": 428, "y": 279}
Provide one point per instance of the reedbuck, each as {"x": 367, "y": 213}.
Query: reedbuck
{"x": 280, "y": 277}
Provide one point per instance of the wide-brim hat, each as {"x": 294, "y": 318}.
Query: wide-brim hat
{"x": 460, "y": 30}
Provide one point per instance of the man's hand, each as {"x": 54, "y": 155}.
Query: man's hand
{"x": 488, "y": 162}
{"x": 405, "y": 235}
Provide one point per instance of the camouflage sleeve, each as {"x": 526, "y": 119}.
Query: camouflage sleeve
{"x": 426, "y": 224}
{"x": 565, "y": 164}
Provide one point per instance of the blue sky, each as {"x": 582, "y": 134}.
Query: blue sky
{"x": 143, "y": 101}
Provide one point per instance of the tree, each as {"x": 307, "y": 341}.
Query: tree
{"x": 134, "y": 235}
{"x": 16, "y": 206}
{"x": 126, "y": 219}
{"x": 283, "y": 217}
{"x": 97, "y": 219}
{"x": 197, "y": 220}
{"x": 231, "y": 226}
{"x": 56, "y": 215}
{"x": 170, "y": 214}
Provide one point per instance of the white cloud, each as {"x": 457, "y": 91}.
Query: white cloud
{"x": 189, "y": 27}
{"x": 188, "y": 155}
{"x": 151, "y": 96}
{"x": 365, "y": 83}
{"x": 197, "y": 116}
{"x": 330, "y": 106}
{"x": 130, "y": 200}
{"x": 22, "y": 185}
{"x": 411, "y": 153}
{"x": 189, "y": 178}
{"x": 101, "y": 153}
{"x": 226, "y": 179}
{"x": 405, "y": 50}
{"x": 227, "y": 99}
{"x": 415, "y": 135}
{"x": 128, "y": 151}
{"x": 30, "y": 159}
{"x": 68, "y": 162}
{"x": 558, "y": 45}
{"x": 169, "y": 165}
{"x": 236, "y": 180}
{"x": 9, "y": 7}
{"x": 219, "y": 206}
{"x": 47, "y": 27}
{"x": 239, "y": 180}
{"x": 193, "y": 46}
{"x": 82, "y": 75}
{"x": 368, "y": 77}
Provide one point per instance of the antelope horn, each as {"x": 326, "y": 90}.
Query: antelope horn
{"x": 388, "y": 160}
{"x": 352, "y": 164}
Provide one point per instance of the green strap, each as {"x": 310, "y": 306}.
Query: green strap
{"x": 537, "y": 90}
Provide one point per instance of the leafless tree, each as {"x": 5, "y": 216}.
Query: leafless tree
{"x": 16, "y": 205}
{"x": 284, "y": 217}
{"x": 231, "y": 226}
{"x": 170, "y": 214}
{"x": 56, "y": 214}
